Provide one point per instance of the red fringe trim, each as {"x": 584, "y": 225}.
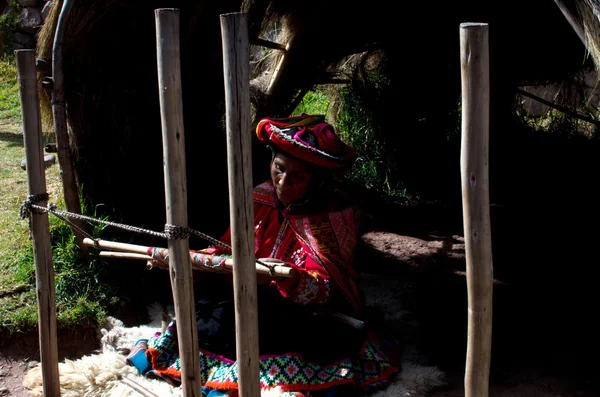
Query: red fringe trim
{"x": 294, "y": 387}
{"x": 391, "y": 370}
{"x": 153, "y": 353}
{"x": 222, "y": 385}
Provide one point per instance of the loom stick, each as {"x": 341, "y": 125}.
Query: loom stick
{"x": 137, "y": 387}
{"x": 173, "y": 139}
{"x": 475, "y": 195}
{"x": 59, "y": 114}
{"x": 236, "y": 76}
{"x": 36, "y": 179}
{"x": 141, "y": 252}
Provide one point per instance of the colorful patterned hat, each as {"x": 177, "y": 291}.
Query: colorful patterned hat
{"x": 309, "y": 138}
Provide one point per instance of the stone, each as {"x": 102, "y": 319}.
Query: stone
{"x": 23, "y": 40}
{"x": 49, "y": 159}
{"x": 31, "y": 20}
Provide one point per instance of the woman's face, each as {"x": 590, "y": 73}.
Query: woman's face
{"x": 291, "y": 177}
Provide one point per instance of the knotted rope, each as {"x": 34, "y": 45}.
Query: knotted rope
{"x": 172, "y": 232}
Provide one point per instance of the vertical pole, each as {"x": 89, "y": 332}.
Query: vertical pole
{"x": 236, "y": 64}
{"x": 59, "y": 115}
{"x": 573, "y": 20}
{"x": 474, "y": 175}
{"x": 44, "y": 272}
{"x": 180, "y": 267}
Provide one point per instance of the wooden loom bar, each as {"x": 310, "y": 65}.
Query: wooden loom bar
{"x": 59, "y": 114}
{"x": 133, "y": 251}
{"x": 268, "y": 44}
{"x": 180, "y": 269}
{"x": 138, "y": 388}
{"x": 475, "y": 195}
{"x": 236, "y": 73}
{"x": 36, "y": 177}
{"x": 573, "y": 20}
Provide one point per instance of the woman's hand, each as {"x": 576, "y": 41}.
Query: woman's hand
{"x": 272, "y": 262}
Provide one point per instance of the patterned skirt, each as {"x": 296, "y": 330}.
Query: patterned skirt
{"x": 369, "y": 369}
{"x": 311, "y": 355}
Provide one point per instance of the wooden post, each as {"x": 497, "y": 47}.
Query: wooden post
{"x": 475, "y": 195}
{"x": 36, "y": 177}
{"x": 180, "y": 269}
{"x": 574, "y": 20}
{"x": 59, "y": 114}
{"x": 236, "y": 65}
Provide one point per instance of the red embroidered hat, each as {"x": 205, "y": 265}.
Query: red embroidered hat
{"x": 309, "y": 138}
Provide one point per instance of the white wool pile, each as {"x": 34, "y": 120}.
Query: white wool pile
{"x": 99, "y": 374}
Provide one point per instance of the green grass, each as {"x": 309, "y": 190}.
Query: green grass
{"x": 374, "y": 168}
{"x": 10, "y": 104}
{"x": 81, "y": 298}
{"x": 314, "y": 102}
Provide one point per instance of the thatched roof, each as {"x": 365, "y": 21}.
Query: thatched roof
{"x": 112, "y": 96}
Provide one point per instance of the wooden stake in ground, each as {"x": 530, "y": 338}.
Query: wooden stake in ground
{"x": 180, "y": 269}
{"x": 36, "y": 177}
{"x": 59, "y": 114}
{"x": 475, "y": 195}
{"x": 236, "y": 73}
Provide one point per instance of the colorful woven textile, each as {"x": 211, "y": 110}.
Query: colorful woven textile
{"x": 289, "y": 371}
{"x": 307, "y": 137}
{"x": 197, "y": 258}
{"x": 320, "y": 245}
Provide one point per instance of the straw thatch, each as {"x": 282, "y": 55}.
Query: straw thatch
{"x": 112, "y": 97}
{"x": 110, "y": 71}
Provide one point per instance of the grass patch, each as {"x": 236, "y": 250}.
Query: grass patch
{"x": 81, "y": 297}
{"x": 374, "y": 169}
{"x": 314, "y": 102}
{"x": 9, "y": 21}
{"x": 10, "y": 102}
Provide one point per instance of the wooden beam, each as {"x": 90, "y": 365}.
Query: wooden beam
{"x": 268, "y": 44}
{"x": 562, "y": 109}
{"x": 573, "y": 20}
{"x": 277, "y": 271}
{"x": 236, "y": 72}
{"x": 134, "y": 251}
{"x": 59, "y": 113}
{"x": 139, "y": 388}
{"x": 180, "y": 269}
{"x": 40, "y": 229}
{"x": 276, "y": 78}
{"x": 475, "y": 195}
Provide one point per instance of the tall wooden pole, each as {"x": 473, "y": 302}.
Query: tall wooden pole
{"x": 180, "y": 267}
{"x": 573, "y": 20}
{"x": 36, "y": 177}
{"x": 236, "y": 65}
{"x": 59, "y": 115}
{"x": 475, "y": 195}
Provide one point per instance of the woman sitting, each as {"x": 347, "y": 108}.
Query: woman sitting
{"x": 304, "y": 220}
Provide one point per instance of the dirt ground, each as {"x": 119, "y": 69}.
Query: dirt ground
{"x": 543, "y": 344}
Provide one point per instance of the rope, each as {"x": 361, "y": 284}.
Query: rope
{"x": 29, "y": 206}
